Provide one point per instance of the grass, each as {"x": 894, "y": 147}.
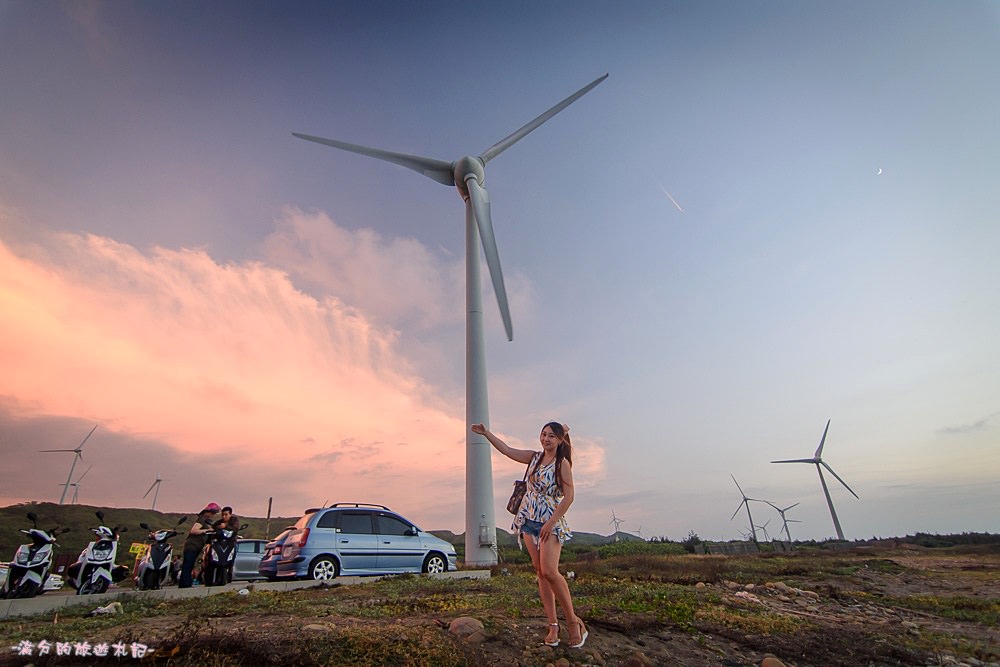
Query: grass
{"x": 401, "y": 620}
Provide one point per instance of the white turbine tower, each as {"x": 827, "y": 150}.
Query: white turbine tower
{"x": 467, "y": 175}
{"x": 155, "y": 485}
{"x": 76, "y": 484}
{"x": 79, "y": 457}
{"x": 818, "y": 461}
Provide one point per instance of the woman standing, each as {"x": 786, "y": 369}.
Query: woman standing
{"x": 195, "y": 542}
{"x": 541, "y": 521}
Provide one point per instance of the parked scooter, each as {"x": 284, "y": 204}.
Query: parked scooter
{"x": 154, "y": 568}
{"x": 94, "y": 571}
{"x": 219, "y": 558}
{"x": 28, "y": 572}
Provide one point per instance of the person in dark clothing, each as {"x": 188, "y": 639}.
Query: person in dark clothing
{"x": 195, "y": 542}
{"x": 228, "y": 520}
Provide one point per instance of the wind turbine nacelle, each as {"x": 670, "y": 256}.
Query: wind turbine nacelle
{"x": 463, "y": 167}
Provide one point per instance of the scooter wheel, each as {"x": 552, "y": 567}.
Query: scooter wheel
{"x": 150, "y": 580}
{"x": 27, "y": 589}
{"x": 101, "y": 586}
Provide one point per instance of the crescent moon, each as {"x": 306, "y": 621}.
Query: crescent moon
{"x": 879, "y": 171}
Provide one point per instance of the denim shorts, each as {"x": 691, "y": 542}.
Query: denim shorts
{"x": 533, "y": 528}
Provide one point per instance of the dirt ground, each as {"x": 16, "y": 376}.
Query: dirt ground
{"x": 839, "y": 620}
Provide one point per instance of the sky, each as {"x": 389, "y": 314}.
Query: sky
{"x": 770, "y": 215}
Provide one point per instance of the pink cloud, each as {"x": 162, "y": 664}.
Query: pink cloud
{"x": 233, "y": 382}
{"x": 222, "y": 359}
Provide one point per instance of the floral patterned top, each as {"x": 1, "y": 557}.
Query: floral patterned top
{"x": 540, "y": 500}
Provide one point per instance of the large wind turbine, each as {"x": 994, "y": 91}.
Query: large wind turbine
{"x": 818, "y": 461}
{"x": 79, "y": 457}
{"x": 467, "y": 175}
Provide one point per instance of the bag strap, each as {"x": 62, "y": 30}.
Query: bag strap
{"x": 534, "y": 458}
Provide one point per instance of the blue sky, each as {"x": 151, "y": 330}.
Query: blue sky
{"x": 253, "y": 314}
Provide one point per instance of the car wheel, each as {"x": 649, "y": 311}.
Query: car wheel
{"x": 435, "y": 564}
{"x": 323, "y": 569}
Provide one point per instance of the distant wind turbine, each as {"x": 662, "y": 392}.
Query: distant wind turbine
{"x": 617, "y": 522}
{"x": 79, "y": 457}
{"x": 745, "y": 501}
{"x": 784, "y": 520}
{"x": 467, "y": 174}
{"x": 76, "y": 484}
{"x": 818, "y": 461}
{"x": 155, "y": 485}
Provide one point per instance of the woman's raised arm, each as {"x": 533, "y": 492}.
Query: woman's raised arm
{"x": 519, "y": 455}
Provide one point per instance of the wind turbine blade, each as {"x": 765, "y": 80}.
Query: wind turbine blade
{"x": 150, "y": 488}
{"x": 80, "y": 446}
{"x": 513, "y": 138}
{"x": 57, "y": 450}
{"x": 738, "y": 508}
{"x": 437, "y": 170}
{"x": 819, "y": 450}
{"x": 839, "y": 480}
{"x": 83, "y": 475}
{"x": 796, "y": 461}
{"x": 738, "y": 485}
{"x": 480, "y": 200}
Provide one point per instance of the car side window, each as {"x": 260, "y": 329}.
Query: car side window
{"x": 246, "y": 547}
{"x": 356, "y": 523}
{"x": 390, "y": 525}
{"x": 329, "y": 520}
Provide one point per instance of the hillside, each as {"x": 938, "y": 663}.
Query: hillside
{"x": 80, "y": 519}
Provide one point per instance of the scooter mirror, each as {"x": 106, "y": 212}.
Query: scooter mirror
{"x": 100, "y": 515}
{"x": 65, "y": 530}
{"x": 182, "y": 520}
{"x": 144, "y": 525}
{"x": 32, "y": 517}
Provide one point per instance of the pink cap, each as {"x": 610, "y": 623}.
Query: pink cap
{"x": 212, "y": 507}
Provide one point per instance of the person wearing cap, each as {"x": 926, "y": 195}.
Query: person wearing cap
{"x": 195, "y": 541}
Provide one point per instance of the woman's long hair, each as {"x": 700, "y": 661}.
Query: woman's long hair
{"x": 563, "y": 451}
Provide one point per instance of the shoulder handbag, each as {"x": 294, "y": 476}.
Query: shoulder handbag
{"x": 520, "y": 487}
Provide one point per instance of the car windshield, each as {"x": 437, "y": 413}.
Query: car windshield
{"x": 282, "y": 535}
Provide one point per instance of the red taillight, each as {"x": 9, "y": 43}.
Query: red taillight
{"x": 303, "y": 538}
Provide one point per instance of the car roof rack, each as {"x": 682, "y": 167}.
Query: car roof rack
{"x": 381, "y": 507}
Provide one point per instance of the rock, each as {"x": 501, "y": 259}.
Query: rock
{"x": 317, "y": 627}
{"x": 771, "y": 661}
{"x": 638, "y": 659}
{"x": 468, "y": 629}
{"x": 810, "y": 594}
{"x": 749, "y": 587}
{"x": 562, "y": 662}
{"x": 700, "y": 584}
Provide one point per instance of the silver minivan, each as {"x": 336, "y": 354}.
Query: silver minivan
{"x": 360, "y": 539}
